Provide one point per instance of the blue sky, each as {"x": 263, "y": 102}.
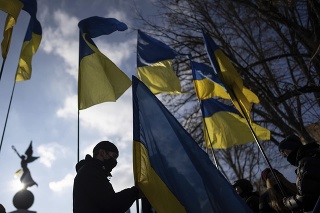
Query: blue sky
{"x": 44, "y": 108}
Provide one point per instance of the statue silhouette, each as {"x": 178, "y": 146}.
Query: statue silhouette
{"x": 26, "y": 178}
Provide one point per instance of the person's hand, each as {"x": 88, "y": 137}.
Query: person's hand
{"x": 138, "y": 192}
{"x": 291, "y": 202}
{"x": 286, "y": 201}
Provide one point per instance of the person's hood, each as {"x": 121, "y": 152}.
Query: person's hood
{"x": 93, "y": 161}
{"x": 81, "y": 163}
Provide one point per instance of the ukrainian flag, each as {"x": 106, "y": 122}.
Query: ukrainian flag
{"x": 172, "y": 171}
{"x": 13, "y": 8}
{"x": 229, "y": 77}
{"x": 31, "y": 41}
{"x": 225, "y": 126}
{"x": 154, "y": 65}
{"x": 206, "y": 82}
{"x": 100, "y": 80}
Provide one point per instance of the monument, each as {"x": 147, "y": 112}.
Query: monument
{"x": 24, "y": 198}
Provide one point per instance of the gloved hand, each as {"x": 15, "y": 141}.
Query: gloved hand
{"x": 137, "y": 192}
{"x": 291, "y": 202}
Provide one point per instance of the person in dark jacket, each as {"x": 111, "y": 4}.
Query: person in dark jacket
{"x": 2, "y": 209}
{"x": 271, "y": 200}
{"x": 307, "y": 160}
{"x": 92, "y": 191}
{"x": 244, "y": 189}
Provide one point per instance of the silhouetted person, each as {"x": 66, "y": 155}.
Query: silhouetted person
{"x": 307, "y": 160}
{"x": 26, "y": 178}
{"x": 271, "y": 199}
{"x": 2, "y": 209}
{"x": 244, "y": 189}
{"x": 92, "y": 191}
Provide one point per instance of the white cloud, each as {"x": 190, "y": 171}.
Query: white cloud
{"x": 49, "y": 153}
{"x": 69, "y": 109}
{"x": 62, "y": 40}
{"x": 119, "y": 15}
{"x": 118, "y": 52}
{"x": 66, "y": 182}
{"x": 113, "y": 119}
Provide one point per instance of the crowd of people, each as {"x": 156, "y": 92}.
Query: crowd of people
{"x": 280, "y": 195}
{"x": 92, "y": 191}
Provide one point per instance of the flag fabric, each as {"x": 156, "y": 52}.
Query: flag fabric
{"x": 13, "y": 8}
{"x": 31, "y": 41}
{"x": 225, "y": 126}
{"x": 229, "y": 77}
{"x": 154, "y": 65}
{"x": 208, "y": 84}
{"x": 172, "y": 171}
{"x": 100, "y": 80}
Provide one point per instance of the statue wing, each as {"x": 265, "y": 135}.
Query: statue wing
{"x": 29, "y": 153}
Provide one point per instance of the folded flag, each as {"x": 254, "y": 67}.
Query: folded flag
{"x": 172, "y": 171}
{"x": 100, "y": 80}
{"x": 154, "y": 65}
{"x": 224, "y": 126}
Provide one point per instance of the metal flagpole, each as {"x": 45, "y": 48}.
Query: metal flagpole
{"x": 2, "y": 66}
{"x": 5, "y": 124}
{"x": 259, "y": 145}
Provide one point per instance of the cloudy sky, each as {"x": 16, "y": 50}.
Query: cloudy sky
{"x": 44, "y": 108}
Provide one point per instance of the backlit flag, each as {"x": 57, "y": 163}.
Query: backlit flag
{"x": 206, "y": 82}
{"x": 13, "y": 8}
{"x": 208, "y": 85}
{"x": 31, "y": 41}
{"x": 172, "y": 171}
{"x": 154, "y": 65}
{"x": 225, "y": 126}
{"x": 229, "y": 77}
{"x": 100, "y": 80}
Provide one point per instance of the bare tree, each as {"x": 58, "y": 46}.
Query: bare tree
{"x": 274, "y": 45}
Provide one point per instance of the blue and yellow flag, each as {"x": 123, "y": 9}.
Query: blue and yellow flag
{"x": 208, "y": 85}
{"x": 154, "y": 65}
{"x": 31, "y": 41}
{"x": 100, "y": 80}
{"x": 13, "y": 8}
{"x": 229, "y": 77}
{"x": 206, "y": 82}
{"x": 172, "y": 171}
{"x": 225, "y": 126}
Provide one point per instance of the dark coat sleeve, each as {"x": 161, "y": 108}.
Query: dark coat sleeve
{"x": 101, "y": 194}
{"x": 308, "y": 184}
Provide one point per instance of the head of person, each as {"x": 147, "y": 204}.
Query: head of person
{"x": 108, "y": 153}
{"x": 243, "y": 187}
{"x": 289, "y": 147}
{"x": 2, "y": 209}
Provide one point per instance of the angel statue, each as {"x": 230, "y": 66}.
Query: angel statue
{"x": 26, "y": 178}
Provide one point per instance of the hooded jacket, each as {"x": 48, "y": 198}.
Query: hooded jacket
{"x": 93, "y": 193}
{"x": 308, "y": 178}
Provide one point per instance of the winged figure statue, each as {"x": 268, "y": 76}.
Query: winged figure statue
{"x": 26, "y": 178}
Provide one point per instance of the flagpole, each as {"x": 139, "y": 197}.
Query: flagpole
{"x": 213, "y": 154}
{"x": 258, "y": 143}
{"x": 2, "y": 66}
{"x": 78, "y": 136}
{"x": 211, "y": 145}
{"x": 5, "y": 124}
